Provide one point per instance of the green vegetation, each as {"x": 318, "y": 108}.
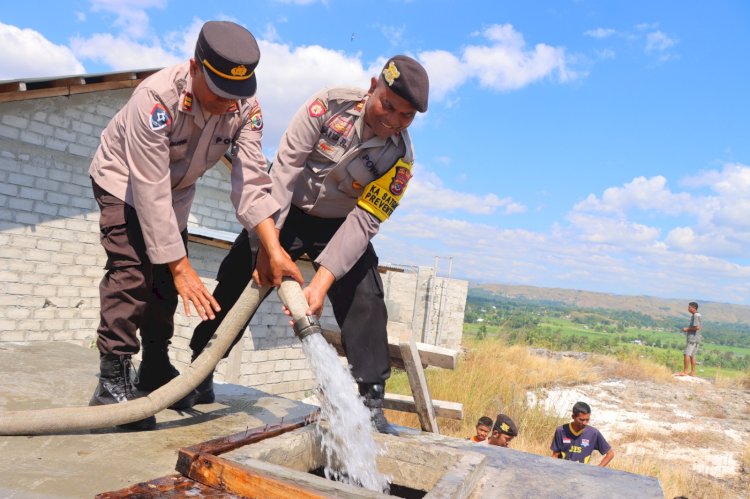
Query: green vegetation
{"x": 725, "y": 347}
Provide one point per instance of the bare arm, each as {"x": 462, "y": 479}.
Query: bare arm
{"x": 273, "y": 262}
{"x": 191, "y": 289}
{"x": 607, "y": 458}
{"x": 316, "y": 291}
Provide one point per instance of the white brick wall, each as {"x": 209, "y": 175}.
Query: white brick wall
{"x": 51, "y": 261}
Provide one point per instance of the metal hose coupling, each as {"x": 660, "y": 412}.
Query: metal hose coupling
{"x": 307, "y": 325}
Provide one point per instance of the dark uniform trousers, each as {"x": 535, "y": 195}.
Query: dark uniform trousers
{"x": 134, "y": 293}
{"x": 357, "y": 298}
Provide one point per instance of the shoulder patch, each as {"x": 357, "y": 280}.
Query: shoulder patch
{"x": 317, "y": 109}
{"x": 256, "y": 119}
{"x": 160, "y": 117}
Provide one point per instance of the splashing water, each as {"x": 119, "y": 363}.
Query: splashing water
{"x": 349, "y": 449}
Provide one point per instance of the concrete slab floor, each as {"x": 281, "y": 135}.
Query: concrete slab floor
{"x": 75, "y": 465}
{"x": 57, "y": 374}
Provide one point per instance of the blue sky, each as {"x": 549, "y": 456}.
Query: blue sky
{"x": 595, "y": 145}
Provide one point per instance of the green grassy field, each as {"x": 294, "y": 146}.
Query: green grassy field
{"x": 664, "y": 347}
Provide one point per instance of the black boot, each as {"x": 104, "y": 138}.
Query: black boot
{"x": 156, "y": 371}
{"x": 374, "y": 394}
{"x": 205, "y": 391}
{"x": 115, "y": 386}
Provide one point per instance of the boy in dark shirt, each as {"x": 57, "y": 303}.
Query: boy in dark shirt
{"x": 576, "y": 441}
{"x": 503, "y": 431}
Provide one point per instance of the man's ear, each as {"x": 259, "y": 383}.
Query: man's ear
{"x": 373, "y": 84}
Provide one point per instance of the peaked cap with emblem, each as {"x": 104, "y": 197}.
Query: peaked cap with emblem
{"x": 229, "y": 55}
{"x": 408, "y": 79}
{"x": 504, "y": 424}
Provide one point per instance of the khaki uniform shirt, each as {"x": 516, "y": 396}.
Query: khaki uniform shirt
{"x": 157, "y": 146}
{"x": 322, "y": 167}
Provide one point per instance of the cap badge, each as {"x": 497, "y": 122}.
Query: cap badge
{"x": 239, "y": 71}
{"x": 391, "y": 73}
{"x": 504, "y": 427}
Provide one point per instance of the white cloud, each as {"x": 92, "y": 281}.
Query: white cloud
{"x": 394, "y": 34}
{"x": 505, "y": 63}
{"x": 310, "y": 68}
{"x": 614, "y": 231}
{"x": 605, "y": 54}
{"x": 427, "y": 192}
{"x": 642, "y": 194}
{"x": 631, "y": 261}
{"x": 600, "y": 33}
{"x": 446, "y": 72}
{"x": 122, "y": 53}
{"x": 646, "y": 26}
{"x": 130, "y": 16}
{"x": 659, "y": 42}
{"x": 28, "y": 54}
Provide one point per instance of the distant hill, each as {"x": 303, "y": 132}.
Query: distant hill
{"x": 649, "y": 305}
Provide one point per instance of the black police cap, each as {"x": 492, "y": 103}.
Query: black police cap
{"x": 504, "y": 424}
{"x": 229, "y": 55}
{"x": 408, "y": 79}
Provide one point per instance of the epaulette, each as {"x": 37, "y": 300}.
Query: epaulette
{"x": 346, "y": 94}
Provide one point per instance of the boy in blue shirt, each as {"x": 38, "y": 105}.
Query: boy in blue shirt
{"x": 576, "y": 441}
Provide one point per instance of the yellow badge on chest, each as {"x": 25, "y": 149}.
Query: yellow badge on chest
{"x": 382, "y": 196}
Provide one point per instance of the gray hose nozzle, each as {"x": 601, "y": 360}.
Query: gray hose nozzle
{"x": 307, "y": 325}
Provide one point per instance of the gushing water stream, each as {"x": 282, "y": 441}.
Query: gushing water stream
{"x": 349, "y": 449}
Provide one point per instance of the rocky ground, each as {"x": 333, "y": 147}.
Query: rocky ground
{"x": 689, "y": 421}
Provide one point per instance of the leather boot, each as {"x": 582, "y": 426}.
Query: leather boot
{"x": 115, "y": 386}
{"x": 205, "y": 390}
{"x": 374, "y": 394}
{"x": 156, "y": 371}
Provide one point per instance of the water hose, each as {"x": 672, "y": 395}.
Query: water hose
{"x": 70, "y": 419}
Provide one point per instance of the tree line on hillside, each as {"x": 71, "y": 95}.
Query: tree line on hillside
{"x": 527, "y": 322}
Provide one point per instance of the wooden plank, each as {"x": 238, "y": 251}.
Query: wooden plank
{"x": 429, "y": 355}
{"x": 228, "y": 476}
{"x": 443, "y": 409}
{"x": 187, "y": 455}
{"x": 15, "y": 91}
{"x": 171, "y": 486}
{"x": 208, "y": 241}
{"x": 419, "y": 388}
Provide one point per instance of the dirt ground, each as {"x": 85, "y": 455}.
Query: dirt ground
{"x": 688, "y": 421}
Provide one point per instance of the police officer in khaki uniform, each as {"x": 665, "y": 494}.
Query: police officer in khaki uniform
{"x": 340, "y": 171}
{"x": 177, "y": 124}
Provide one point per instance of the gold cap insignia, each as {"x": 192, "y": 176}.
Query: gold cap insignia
{"x": 391, "y": 73}
{"x": 239, "y": 71}
{"x": 504, "y": 427}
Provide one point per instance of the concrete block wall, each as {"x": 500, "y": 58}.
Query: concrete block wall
{"x": 431, "y": 306}
{"x": 51, "y": 261}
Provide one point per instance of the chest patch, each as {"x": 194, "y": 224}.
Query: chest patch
{"x": 160, "y": 117}
{"x": 337, "y": 130}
